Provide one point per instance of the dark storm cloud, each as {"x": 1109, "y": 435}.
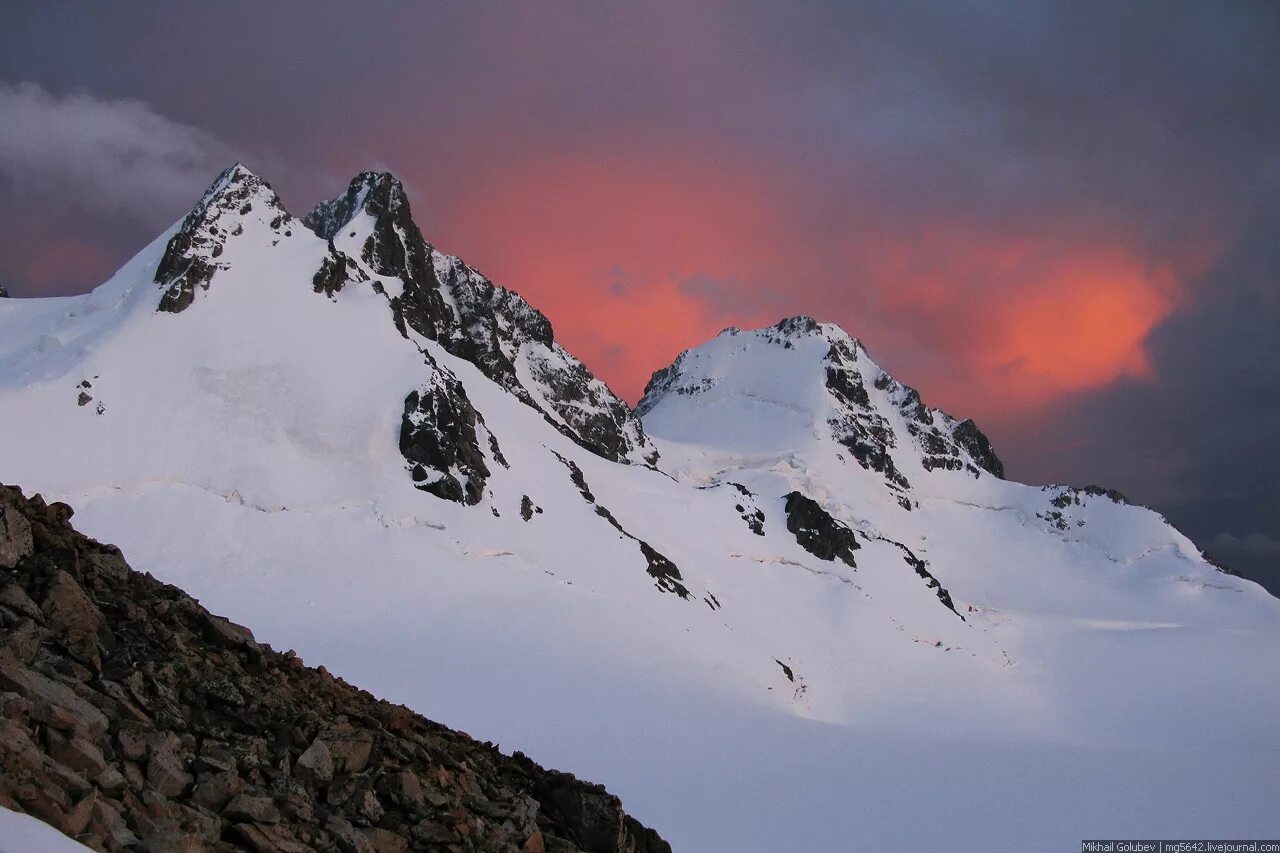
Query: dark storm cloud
{"x": 1062, "y": 218}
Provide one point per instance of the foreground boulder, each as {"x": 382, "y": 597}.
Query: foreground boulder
{"x": 133, "y": 719}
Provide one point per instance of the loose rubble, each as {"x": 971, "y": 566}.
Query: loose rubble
{"x": 131, "y": 718}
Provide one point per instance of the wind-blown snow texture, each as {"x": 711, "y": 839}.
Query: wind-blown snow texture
{"x": 797, "y": 609}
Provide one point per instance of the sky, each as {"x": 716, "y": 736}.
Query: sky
{"x": 1060, "y": 219}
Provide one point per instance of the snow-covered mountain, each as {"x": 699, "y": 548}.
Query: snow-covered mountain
{"x": 783, "y": 605}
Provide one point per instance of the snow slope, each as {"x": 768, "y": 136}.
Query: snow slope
{"x": 20, "y": 833}
{"x": 793, "y": 609}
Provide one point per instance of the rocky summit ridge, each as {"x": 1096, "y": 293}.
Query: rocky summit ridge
{"x": 371, "y": 234}
{"x": 131, "y": 718}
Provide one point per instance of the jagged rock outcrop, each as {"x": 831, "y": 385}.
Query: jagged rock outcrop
{"x": 336, "y": 271}
{"x": 665, "y": 573}
{"x": 881, "y": 423}
{"x": 4, "y": 292}
{"x": 447, "y": 301}
{"x": 819, "y": 533}
{"x": 975, "y": 442}
{"x": 439, "y": 440}
{"x": 191, "y": 258}
{"x": 132, "y": 718}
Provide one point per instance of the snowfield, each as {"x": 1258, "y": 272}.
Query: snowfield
{"x": 996, "y": 666}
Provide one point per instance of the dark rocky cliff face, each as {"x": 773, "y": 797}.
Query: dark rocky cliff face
{"x": 191, "y": 257}
{"x": 452, "y": 303}
{"x": 131, "y": 718}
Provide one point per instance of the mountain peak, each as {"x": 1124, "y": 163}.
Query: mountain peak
{"x": 376, "y": 193}
{"x": 801, "y": 383}
{"x": 237, "y": 183}
{"x": 190, "y": 259}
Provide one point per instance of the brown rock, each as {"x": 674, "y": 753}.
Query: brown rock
{"x": 316, "y": 763}
{"x": 349, "y": 746}
{"x": 132, "y": 743}
{"x": 48, "y": 804}
{"x": 246, "y": 809}
{"x": 165, "y": 769}
{"x": 534, "y": 843}
{"x": 80, "y": 755}
{"x": 23, "y": 642}
{"x": 226, "y": 633}
{"x": 73, "y": 615}
{"x": 54, "y": 716}
{"x": 348, "y": 838}
{"x": 217, "y": 757}
{"x": 38, "y": 688}
{"x": 77, "y": 820}
{"x": 111, "y": 782}
{"x": 408, "y": 788}
{"x": 386, "y": 841}
{"x": 202, "y": 719}
{"x": 15, "y": 537}
{"x": 269, "y": 839}
{"x": 368, "y": 807}
{"x": 107, "y": 824}
{"x": 214, "y": 790}
{"x": 15, "y": 598}
{"x": 134, "y": 776}
{"x": 20, "y": 753}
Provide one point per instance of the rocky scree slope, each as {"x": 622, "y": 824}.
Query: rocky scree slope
{"x": 132, "y": 718}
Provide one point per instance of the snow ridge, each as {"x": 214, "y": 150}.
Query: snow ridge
{"x": 190, "y": 259}
{"x": 445, "y": 300}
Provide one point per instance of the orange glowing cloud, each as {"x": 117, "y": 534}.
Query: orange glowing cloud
{"x": 634, "y": 255}
{"x": 1019, "y": 321}
{"x": 638, "y": 250}
{"x": 1083, "y": 324}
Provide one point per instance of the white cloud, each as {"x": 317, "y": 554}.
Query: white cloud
{"x": 115, "y": 156}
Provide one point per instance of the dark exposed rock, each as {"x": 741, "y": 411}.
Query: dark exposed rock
{"x": 336, "y": 270}
{"x": 750, "y": 513}
{"x": 493, "y": 324}
{"x": 1113, "y": 495}
{"x": 600, "y": 822}
{"x": 793, "y": 327}
{"x": 136, "y": 756}
{"x": 862, "y": 430}
{"x": 528, "y": 508}
{"x": 438, "y": 440}
{"x": 1068, "y": 496}
{"x": 847, "y": 387}
{"x": 447, "y": 301}
{"x": 819, "y": 533}
{"x": 922, "y": 569}
{"x": 4, "y": 293}
{"x": 976, "y": 444}
{"x": 190, "y": 259}
{"x": 15, "y": 537}
{"x": 665, "y": 573}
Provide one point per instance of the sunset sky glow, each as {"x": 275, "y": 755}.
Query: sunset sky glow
{"x": 1060, "y": 219}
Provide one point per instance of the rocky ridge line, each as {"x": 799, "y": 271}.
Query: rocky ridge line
{"x": 131, "y": 718}
{"x": 452, "y": 303}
